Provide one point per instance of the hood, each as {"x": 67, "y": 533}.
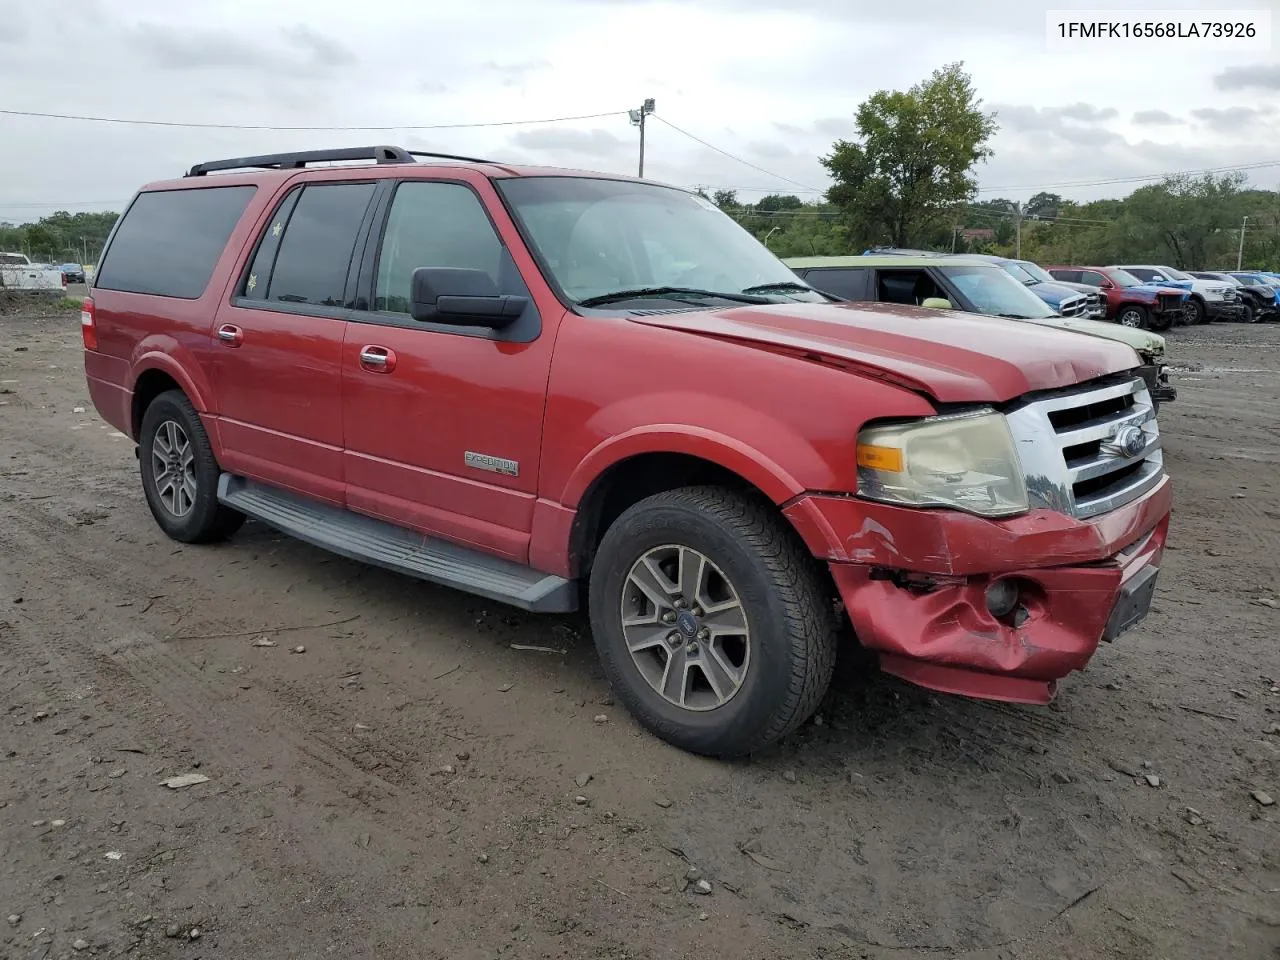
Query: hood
{"x": 1085, "y": 288}
{"x": 1153, "y": 289}
{"x": 950, "y": 356}
{"x": 1149, "y": 346}
{"x": 1056, "y": 292}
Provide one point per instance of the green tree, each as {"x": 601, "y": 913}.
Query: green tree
{"x": 911, "y": 166}
{"x": 1191, "y": 218}
{"x": 726, "y": 199}
{"x": 776, "y": 201}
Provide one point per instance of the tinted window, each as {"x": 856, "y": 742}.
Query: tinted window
{"x": 315, "y": 252}
{"x": 169, "y": 241}
{"x": 849, "y": 284}
{"x": 433, "y": 225}
{"x": 1070, "y": 276}
{"x": 1142, "y": 273}
{"x": 1093, "y": 277}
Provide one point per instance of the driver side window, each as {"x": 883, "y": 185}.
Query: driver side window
{"x": 432, "y": 224}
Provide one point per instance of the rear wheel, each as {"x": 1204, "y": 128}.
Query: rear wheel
{"x": 712, "y": 623}
{"x": 1132, "y": 315}
{"x": 180, "y": 474}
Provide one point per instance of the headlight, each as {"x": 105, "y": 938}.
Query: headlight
{"x": 964, "y": 461}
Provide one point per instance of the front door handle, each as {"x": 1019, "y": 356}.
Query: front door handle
{"x": 377, "y": 359}
{"x": 231, "y": 335}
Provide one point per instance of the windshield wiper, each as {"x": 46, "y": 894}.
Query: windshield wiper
{"x": 781, "y": 285}
{"x": 667, "y": 293}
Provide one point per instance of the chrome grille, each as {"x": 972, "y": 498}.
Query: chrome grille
{"x": 1229, "y": 295}
{"x": 1071, "y": 446}
{"x": 1095, "y": 305}
{"x": 1073, "y": 306}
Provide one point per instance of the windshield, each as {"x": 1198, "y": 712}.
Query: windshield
{"x": 1173, "y": 274}
{"x": 1123, "y": 279}
{"x": 1036, "y": 271}
{"x": 597, "y": 237}
{"x": 994, "y": 292}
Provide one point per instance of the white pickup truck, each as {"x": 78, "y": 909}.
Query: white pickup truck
{"x": 17, "y": 272}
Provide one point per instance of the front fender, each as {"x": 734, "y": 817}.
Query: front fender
{"x": 726, "y": 451}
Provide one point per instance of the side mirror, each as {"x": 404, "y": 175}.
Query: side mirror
{"x": 1106, "y": 284}
{"x": 462, "y": 296}
{"x": 936, "y": 303}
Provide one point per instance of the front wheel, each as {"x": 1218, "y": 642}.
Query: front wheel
{"x": 712, "y": 623}
{"x": 180, "y": 474}
{"x": 1250, "y": 314}
{"x": 1196, "y": 312}
{"x": 1132, "y": 315}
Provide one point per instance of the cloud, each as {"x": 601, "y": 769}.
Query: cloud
{"x": 1155, "y": 118}
{"x": 590, "y": 143}
{"x": 1257, "y": 76}
{"x": 1231, "y": 119}
{"x": 1076, "y": 123}
{"x": 182, "y": 48}
{"x": 514, "y": 74}
{"x": 1087, "y": 113}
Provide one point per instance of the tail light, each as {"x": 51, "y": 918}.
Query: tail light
{"x": 64, "y": 279}
{"x": 88, "y": 325}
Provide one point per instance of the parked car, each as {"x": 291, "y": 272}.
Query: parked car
{"x": 1258, "y": 297}
{"x": 1076, "y": 299}
{"x": 974, "y": 286}
{"x": 1209, "y": 300}
{"x": 74, "y": 272}
{"x": 1067, "y": 300}
{"x": 1130, "y": 302}
{"x": 492, "y": 377}
{"x": 17, "y": 272}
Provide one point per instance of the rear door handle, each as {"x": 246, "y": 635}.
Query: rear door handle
{"x": 377, "y": 359}
{"x": 231, "y": 335}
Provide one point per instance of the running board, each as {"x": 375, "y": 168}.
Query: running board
{"x": 358, "y": 537}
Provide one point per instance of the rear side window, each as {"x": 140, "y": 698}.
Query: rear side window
{"x": 852, "y": 284}
{"x": 315, "y": 251}
{"x": 1070, "y": 276}
{"x": 169, "y": 241}
{"x": 1093, "y": 277}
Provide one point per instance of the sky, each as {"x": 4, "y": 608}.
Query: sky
{"x": 766, "y": 85}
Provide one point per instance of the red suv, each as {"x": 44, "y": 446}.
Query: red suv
{"x": 1130, "y": 301}
{"x": 554, "y": 388}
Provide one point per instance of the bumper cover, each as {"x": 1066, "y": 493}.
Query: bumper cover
{"x": 914, "y": 584}
{"x": 1221, "y": 310}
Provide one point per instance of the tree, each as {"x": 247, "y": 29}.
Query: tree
{"x": 1187, "y": 215}
{"x": 1044, "y": 205}
{"x": 911, "y": 166}
{"x": 775, "y": 202}
{"x": 726, "y": 199}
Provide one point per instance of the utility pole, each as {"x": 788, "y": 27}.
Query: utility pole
{"x": 1240, "y": 253}
{"x": 637, "y": 119}
{"x": 1017, "y": 230}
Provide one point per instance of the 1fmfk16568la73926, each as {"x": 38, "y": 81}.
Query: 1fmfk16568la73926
{"x": 552, "y": 388}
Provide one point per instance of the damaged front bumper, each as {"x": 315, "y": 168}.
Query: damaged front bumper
{"x": 1156, "y": 377}
{"x": 916, "y": 585}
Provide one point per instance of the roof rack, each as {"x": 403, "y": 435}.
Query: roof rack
{"x": 298, "y": 160}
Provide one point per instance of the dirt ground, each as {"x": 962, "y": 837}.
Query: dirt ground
{"x": 393, "y": 778}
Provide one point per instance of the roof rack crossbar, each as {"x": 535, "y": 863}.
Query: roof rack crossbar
{"x": 298, "y": 160}
{"x": 447, "y": 156}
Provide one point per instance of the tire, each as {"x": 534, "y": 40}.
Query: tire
{"x": 1133, "y": 315}
{"x": 188, "y": 510}
{"x": 1250, "y": 314}
{"x": 1160, "y": 322}
{"x": 783, "y": 659}
{"x": 1198, "y": 313}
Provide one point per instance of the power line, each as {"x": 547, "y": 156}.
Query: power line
{"x": 243, "y": 126}
{"x": 1135, "y": 179}
{"x": 748, "y": 163}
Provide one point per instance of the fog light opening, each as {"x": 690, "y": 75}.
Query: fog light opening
{"x": 1002, "y": 598}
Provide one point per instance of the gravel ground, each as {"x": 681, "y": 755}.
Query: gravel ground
{"x": 388, "y": 775}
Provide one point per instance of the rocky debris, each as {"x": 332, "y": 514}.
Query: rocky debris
{"x": 265, "y": 642}
{"x": 184, "y": 780}
{"x": 1193, "y": 816}
{"x": 582, "y": 779}
{"x": 447, "y": 770}
{"x": 80, "y": 945}
{"x": 664, "y": 802}
{"x": 1263, "y": 798}
{"x": 483, "y": 858}
{"x": 702, "y": 916}
{"x": 1267, "y": 602}
{"x": 173, "y": 931}
{"x": 15, "y": 919}
{"x": 194, "y": 934}
{"x": 581, "y": 801}
{"x": 1062, "y": 777}
{"x": 463, "y": 756}
{"x": 1152, "y": 780}
{"x": 601, "y": 718}
{"x": 116, "y": 774}
{"x": 114, "y": 855}
{"x": 299, "y": 649}
{"x": 789, "y": 776}
{"x": 506, "y": 687}
{"x": 702, "y": 887}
